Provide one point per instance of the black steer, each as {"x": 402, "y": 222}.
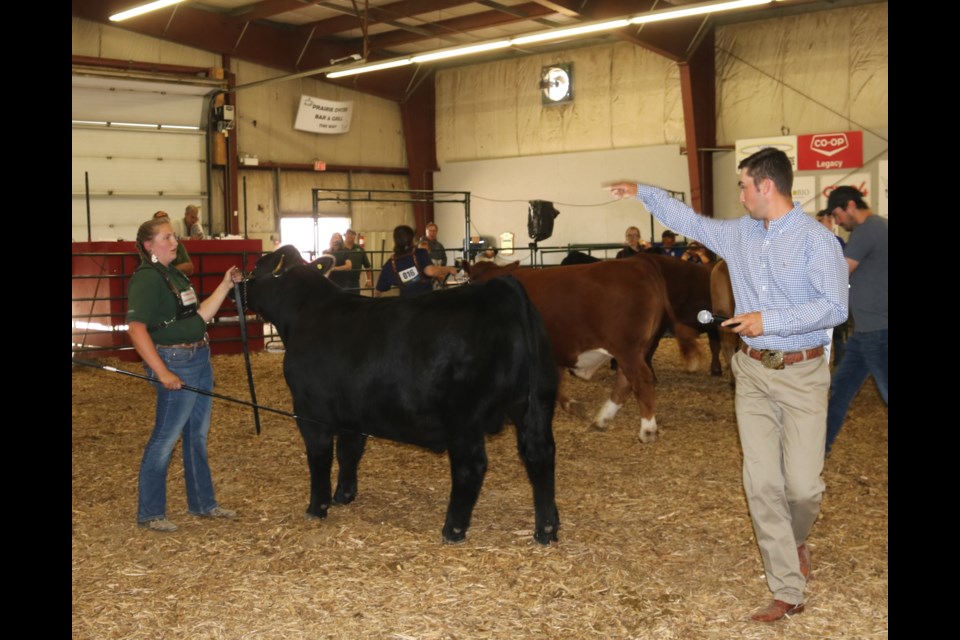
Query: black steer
{"x": 440, "y": 370}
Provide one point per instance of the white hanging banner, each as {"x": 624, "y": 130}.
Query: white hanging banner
{"x": 317, "y": 115}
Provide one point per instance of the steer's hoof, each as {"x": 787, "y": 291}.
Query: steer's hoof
{"x": 345, "y": 498}
{"x": 317, "y": 514}
{"x": 454, "y": 535}
{"x": 546, "y": 535}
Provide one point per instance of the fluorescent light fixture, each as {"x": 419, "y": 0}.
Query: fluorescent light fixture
{"x": 555, "y": 34}
{"x": 461, "y": 51}
{"x": 390, "y": 64}
{"x": 696, "y": 10}
{"x": 142, "y": 9}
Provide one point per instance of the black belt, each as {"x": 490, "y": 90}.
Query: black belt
{"x": 772, "y": 359}
{"x": 187, "y": 345}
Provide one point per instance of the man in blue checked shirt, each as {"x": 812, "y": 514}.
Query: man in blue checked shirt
{"x": 790, "y": 286}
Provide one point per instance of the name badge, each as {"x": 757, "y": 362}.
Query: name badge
{"x": 188, "y": 297}
{"x": 409, "y": 275}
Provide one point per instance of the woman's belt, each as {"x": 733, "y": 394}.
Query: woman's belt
{"x": 187, "y": 345}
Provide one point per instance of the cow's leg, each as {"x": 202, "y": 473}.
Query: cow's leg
{"x": 319, "y": 441}
{"x": 713, "y": 337}
{"x": 538, "y": 452}
{"x": 610, "y": 408}
{"x": 468, "y": 465}
{"x": 567, "y": 403}
{"x": 638, "y": 376}
{"x": 350, "y": 447}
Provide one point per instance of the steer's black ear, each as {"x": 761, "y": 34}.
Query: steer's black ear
{"x": 324, "y": 264}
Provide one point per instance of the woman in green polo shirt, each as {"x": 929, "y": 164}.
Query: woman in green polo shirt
{"x": 168, "y": 328}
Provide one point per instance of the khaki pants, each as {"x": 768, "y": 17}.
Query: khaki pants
{"x": 782, "y": 420}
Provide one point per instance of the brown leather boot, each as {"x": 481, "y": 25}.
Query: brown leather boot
{"x": 776, "y": 610}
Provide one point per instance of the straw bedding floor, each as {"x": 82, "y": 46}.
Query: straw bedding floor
{"x": 655, "y": 540}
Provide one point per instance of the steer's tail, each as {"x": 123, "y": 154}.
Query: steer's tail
{"x": 541, "y": 370}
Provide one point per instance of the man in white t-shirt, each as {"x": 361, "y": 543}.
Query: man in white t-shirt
{"x": 189, "y": 227}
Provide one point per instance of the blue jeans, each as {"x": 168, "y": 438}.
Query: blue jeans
{"x": 865, "y": 354}
{"x": 179, "y": 412}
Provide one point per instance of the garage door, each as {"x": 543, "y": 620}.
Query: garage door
{"x": 139, "y": 146}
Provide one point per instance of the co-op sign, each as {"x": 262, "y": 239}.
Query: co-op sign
{"x": 812, "y": 152}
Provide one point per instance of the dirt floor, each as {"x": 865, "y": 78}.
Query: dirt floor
{"x": 655, "y": 540}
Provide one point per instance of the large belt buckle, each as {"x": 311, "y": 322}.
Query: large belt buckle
{"x": 772, "y": 359}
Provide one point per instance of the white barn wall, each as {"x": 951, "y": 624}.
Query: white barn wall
{"x": 500, "y": 190}
{"x": 624, "y": 97}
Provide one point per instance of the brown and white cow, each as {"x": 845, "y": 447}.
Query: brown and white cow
{"x": 689, "y": 289}
{"x": 723, "y": 304}
{"x": 594, "y": 312}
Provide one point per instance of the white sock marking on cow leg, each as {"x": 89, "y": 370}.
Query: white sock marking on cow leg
{"x": 605, "y": 415}
{"x": 648, "y": 430}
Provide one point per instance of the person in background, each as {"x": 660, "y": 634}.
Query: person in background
{"x": 189, "y": 227}
{"x": 790, "y": 289}
{"x": 668, "y": 241}
{"x": 437, "y": 253}
{"x": 866, "y": 349}
{"x": 409, "y": 268}
{"x": 182, "y": 261}
{"x": 342, "y": 264}
{"x": 489, "y": 255}
{"x": 827, "y": 219}
{"x": 167, "y": 325}
{"x": 356, "y": 257}
{"x": 632, "y": 244}
{"x": 696, "y": 253}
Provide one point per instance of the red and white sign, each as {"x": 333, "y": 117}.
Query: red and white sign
{"x": 830, "y": 151}
{"x": 319, "y": 165}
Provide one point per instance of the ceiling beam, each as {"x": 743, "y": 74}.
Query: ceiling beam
{"x": 459, "y": 25}
{"x": 267, "y": 8}
{"x": 569, "y": 8}
{"x": 388, "y": 13}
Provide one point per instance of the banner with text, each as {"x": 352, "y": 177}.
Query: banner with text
{"x": 830, "y": 151}
{"x": 317, "y": 115}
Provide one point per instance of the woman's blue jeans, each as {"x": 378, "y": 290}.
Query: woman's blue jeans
{"x": 865, "y": 355}
{"x": 185, "y": 413}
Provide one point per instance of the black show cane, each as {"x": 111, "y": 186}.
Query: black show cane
{"x": 246, "y": 353}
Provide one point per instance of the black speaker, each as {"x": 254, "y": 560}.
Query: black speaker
{"x": 540, "y": 219}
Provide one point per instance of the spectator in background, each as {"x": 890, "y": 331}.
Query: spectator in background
{"x": 189, "y": 227}
{"x": 696, "y": 253}
{"x": 409, "y": 269}
{"x": 668, "y": 241}
{"x": 866, "y": 349}
{"x": 437, "y": 253}
{"x": 489, "y": 255}
{"x": 341, "y": 262}
{"x": 827, "y": 219}
{"x": 182, "y": 261}
{"x": 633, "y": 244}
{"x": 356, "y": 257}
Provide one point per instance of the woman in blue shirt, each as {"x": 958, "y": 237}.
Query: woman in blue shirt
{"x": 409, "y": 268}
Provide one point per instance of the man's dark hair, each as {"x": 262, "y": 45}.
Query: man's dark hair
{"x": 770, "y": 163}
